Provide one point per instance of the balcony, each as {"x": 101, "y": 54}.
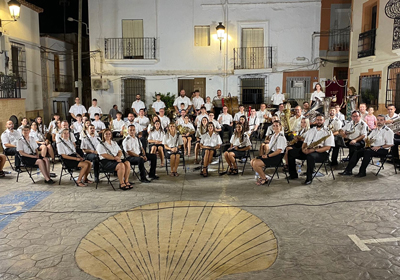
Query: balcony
{"x": 339, "y": 40}
{"x": 366, "y": 43}
{"x": 10, "y": 86}
{"x": 248, "y": 58}
{"x": 130, "y": 49}
{"x": 63, "y": 83}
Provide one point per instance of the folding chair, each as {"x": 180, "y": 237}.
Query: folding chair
{"x": 107, "y": 175}
{"x": 133, "y": 166}
{"x": 383, "y": 161}
{"x": 240, "y": 160}
{"x": 66, "y": 171}
{"x": 9, "y": 160}
{"x": 280, "y": 164}
{"x": 28, "y": 168}
{"x": 181, "y": 159}
{"x": 218, "y": 154}
{"x": 324, "y": 163}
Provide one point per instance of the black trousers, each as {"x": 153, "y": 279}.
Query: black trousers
{"x": 94, "y": 158}
{"x": 13, "y": 152}
{"x": 228, "y": 128}
{"x": 352, "y": 149}
{"x": 367, "y": 154}
{"x": 140, "y": 163}
{"x": 217, "y": 111}
{"x": 311, "y": 158}
{"x": 395, "y": 148}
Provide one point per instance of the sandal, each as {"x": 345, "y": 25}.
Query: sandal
{"x": 172, "y": 174}
{"x": 230, "y": 171}
{"x": 87, "y": 182}
{"x": 80, "y": 184}
{"x": 205, "y": 174}
{"x": 128, "y": 185}
{"x": 176, "y": 174}
{"x": 2, "y": 174}
{"x": 285, "y": 168}
{"x": 123, "y": 187}
{"x": 261, "y": 182}
{"x": 235, "y": 171}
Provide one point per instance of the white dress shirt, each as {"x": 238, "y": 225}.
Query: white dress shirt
{"x": 157, "y": 135}
{"x": 93, "y": 110}
{"x": 333, "y": 124}
{"x": 132, "y": 144}
{"x": 295, "y": 123}
{"x": 89, "y": 142}
{"x": 216, "y": 124}
{"x": 381, "y": 136}
{"x": 8, "y": 137}
{"x": 99, "y": 125}
{"x": 37, "y": 136}
{"x": 77, "y": 109}
{"x": 208, "y": 106}
{"x": 157, "y": 105}
{"x": 277, "y": 98}
{"x": 77, "y": 127}
{"x": 238, "y": 115}
{"x": 185, "y": 100}
{"x": 172, "y": 142}
{"x": 236, "y": 141}
{"x": 360, "y": 128}
{"x": 197, "y": 102}
{"x": 118, "y": 124}
{"x": 199, "y": 118}
{"x": 180, "y": 121}
{"x": 66, "y": 148}
{"x": 225, "y": 118}
{"x": 320, "y": 95}
{"x": 200, "y": 132}
{"x": 278, "y": 141}
{"x": 261, "y": 114}
{"x": 141, "y": 123}
{"x": 394, "y": 117}
{"x": 137, "y": 105}
{"x": 211, "y": 141}
{"x": 58, "y": 135}
{"x": 314, "y": 135}
{"x": 113, "y": 148}
{"x": 23, "y": 146}
{"x": 165, "y": 121}
{"x": 253, "y": 122}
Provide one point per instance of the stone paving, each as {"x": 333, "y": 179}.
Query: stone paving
{"x": 311, "y": 223}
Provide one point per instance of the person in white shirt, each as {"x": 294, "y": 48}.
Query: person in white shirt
{"x": 280, "y": 111}
{"x": 264, "y": 147}
{"x": 239, "y": 114}
{"x": 130, "y": 121}
{"x": 52, "y": 124}
{"x": 310, "y": 151}
{"x": 274, "y": 157}
{"x": 200, "y": 131}
{"x": 381, "y": 138}
{"x": 265, "y": 118}
{"x": 209, "y": 143}
{"x": 24, "y": 122}
{"x": 187, "y": 138}
{"x": 156, "y": 136}
{"x": 165, "y": 121}
{"x": 334, "y": 124}
{"x": 88, "y": 146}
{"x": 152, "y": 122}
{"x": 295, "y": 121}
{"x": 173, "y": 146}
{"x": 317, "y": 94}
{"x": 77, "y": 108}
{"x": 339, "y": 115}
{"x": 136, "y": 155}
{"x": 94, "y": 109}
{"x": 181, "y": 119}
{"x": 98, "y": 124}
{"x": 77, "y": 126}
{"x": 141, "y": 124}
{"x": 67, "y": 150}
{"x": 215, "y": 122}
{"x": 226, "y": 121}
{"x": 9, "y": 140}
{"x": 277, "y": 98}
{"x": 118, "y": 124}
{"x": 217, "y": 103}
{"x": 197, "y": 101}
{"x": 209, "y": 106}
{"x": 254, "y": 123}
{"x": 44, "y": 145}
{"x": 203, "y": 113}
{"x": 110, "y": 156}
{"x": 391, "y": 115}
{"x": 182, "y": 99}
{"x": 158, "y": 104}
{"x": 363, "y": 110}
{"x": 240, "y": 143}
{"x": 28, "y": 150}
{"x": 137, "y": 105}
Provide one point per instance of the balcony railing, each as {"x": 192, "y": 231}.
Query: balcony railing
{"x": 252, "y": 58}
{"x": 63, "y": 83}
{"x": 10, "y": 86}
{"x": 130, "y": 48}
{"x": 366, "y": 43}
{"x": 339, "y": 40}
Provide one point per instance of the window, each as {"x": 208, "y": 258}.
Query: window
{"x": 252, "y": 91}
{"x": 131, "y": 88}
{"x": 202, "y": 35}
{"x": 297, "y": 88}
{"x": 393, "y": 85}
{"x": 18, "y": 58}
{"x": 369, "y": 90}
{"x": 366, "y": 39}
{"x": 132, "y": 36}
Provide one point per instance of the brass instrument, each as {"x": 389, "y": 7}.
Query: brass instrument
{"x": 285, "y": 117}
{"x": 312, "y": 113}
{"x": 124, "y": 132}
{"x": 368, "y": 142}
{"x": 183, "y": 130}
{"x": 296, "y": 139}
{"x": 111, "y": 126}
{"x": 315, "y": 144}
{"x": 395, "y": 125}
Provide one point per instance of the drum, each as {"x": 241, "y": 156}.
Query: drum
{"x": 233, "y": 104}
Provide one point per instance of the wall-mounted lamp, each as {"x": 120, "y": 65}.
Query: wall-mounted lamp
{"x": 220, "y": 33}
{"x": 87, "y": 27}
{"x": 15, "y": 9}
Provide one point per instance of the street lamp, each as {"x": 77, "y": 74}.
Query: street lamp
{"x": 220, "y": 33}
{"x": 87, "y": 27}
{"x": 15, "y": 8}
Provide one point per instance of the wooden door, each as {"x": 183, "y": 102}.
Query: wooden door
{"x": 200, "y": 85}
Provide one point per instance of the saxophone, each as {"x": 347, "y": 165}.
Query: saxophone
{"x": 368, "y": 142}
{"x": 111, "y": 126}
{"x": 315, "y": 144}
{"x": 285, "y": 117}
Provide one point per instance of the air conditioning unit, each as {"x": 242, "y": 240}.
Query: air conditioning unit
{"x": 100, "y": 84}
{"x": 297, "y": 84}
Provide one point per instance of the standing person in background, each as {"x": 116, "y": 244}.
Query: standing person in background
{"x": 226, "y": 121}
{"x": 77, "y": 108}
{"x": 217, "y": 103}
{"x": 113, "y": 112}
{"x": 317, "y": 94}
{"x": 158, "y": 104}
{"x": 137, "y": 105}
{"x": 209, "y": 106}
{"x": 363, "y": 110}
{"x": 370, "y": 119}
{"x": 182, "y": 98}
{"x": 94, "y": 109}
{"x": 351, "y": 102}
{"x": 277, "y": 98}
{"x": 197, "y": 101}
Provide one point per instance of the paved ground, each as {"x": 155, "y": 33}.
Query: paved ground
{"x": 311, "y": 223}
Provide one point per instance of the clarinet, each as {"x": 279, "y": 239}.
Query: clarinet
{"x": 69, "y": 148}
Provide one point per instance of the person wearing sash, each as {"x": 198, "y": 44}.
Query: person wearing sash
{"x": 138, "y": 156}
{"x": 254, "y": 123}
{"x": 334, "y": 124}
{"x": 173, "y": 145}
{"x": 226, "y": 121}
{"x": 156, "y": 137}
{"x": 273, "y": 158}
{"x": 77, "y": 126}
{"x": 44, "y": 144}
{"x": 98, "y": 124}
{"x": 72, "y": 160}
{"x": 9, "y": 140}
{"x": 110, "y": 157}
{"x": 297, "y": 141}
{"x": 264, "y": 147}
{"x": 200, "y": 131}
{"x": 41, "y": 127}
{"x": 165, "y": 121}
{"x": 28, "y": 150}
{"x": 209, "y": 143}
{"x": 317, "y": 142}
{"x": 117, "y": 124}
{"x": 381, "y": 139}
{"x": 89, "y": 142}
{"x": 240, "y": 143}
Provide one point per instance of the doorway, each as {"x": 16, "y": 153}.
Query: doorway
{"x": 190, "y": 85}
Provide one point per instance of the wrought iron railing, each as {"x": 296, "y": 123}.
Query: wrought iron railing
{"x": 10, "y": 86}
{"x": 130, "y": 48}
{"x": 63, "y": 83}
{"x": 366, "y": 43}
{"x": 252, "y": 58}
{"x": 339, "y": 39}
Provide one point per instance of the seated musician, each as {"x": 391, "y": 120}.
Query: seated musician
{"x": 130, "y": 121}
{"x": 165, "y": 121}
{"x": 265, "y": 117}
{"x": 181, "y": 119}
{"x": 72, "y": 160}
{"x": 279, "y": 111}
{"x": 153, "y": 121}
{"x": 297, "y": 141}
{"x": 209, "y": 143}
{"x": 200, "y": 131}
{"x": 295, "y": 121}
{"x": 306, "y": 107}
{"x": 226, "y": 121}
{"x": 110, "y": 158}
{"x": 44, "y": 144}
{"x": 381, "y": 139}
{"x": 9, "y": 140}
{"x": 273, "y": 158}
{"x": 89, "y": 142}
{"x": 117, "y": 124}
{"x": 173, "y": 145}
{"x": 390, "y": 118}
{"x": 215, "y": 122}
{"x": 28, "y": 150}
{"x": 240, "y": 143}
{"x": 254, "y": 123}
{"x": 98, "y": 124}
{"x": 65, "y": 125}
{"x": 77, "y": 126}
{"x": 156, "y": 136}
{"x": 264, "y": 147}
{"x": 138, "y": 156}
{"x": 339, "y": 115}
{"x": 334, "y": 124}
{"x": 141, "y": 123}
{"x": 201, "y": 115}
{"x": 239, "y": 114}
{"x": 353, "y": 134}
{"x": 317, "y": 143}
{"x": 187, "y": 137}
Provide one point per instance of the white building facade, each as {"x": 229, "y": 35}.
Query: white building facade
{"x": 164, "y": 46}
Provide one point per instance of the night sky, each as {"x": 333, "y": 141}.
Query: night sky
{"x": 52, "y": 19}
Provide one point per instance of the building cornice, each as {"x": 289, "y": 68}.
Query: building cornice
{"x": 31, "y": 6}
